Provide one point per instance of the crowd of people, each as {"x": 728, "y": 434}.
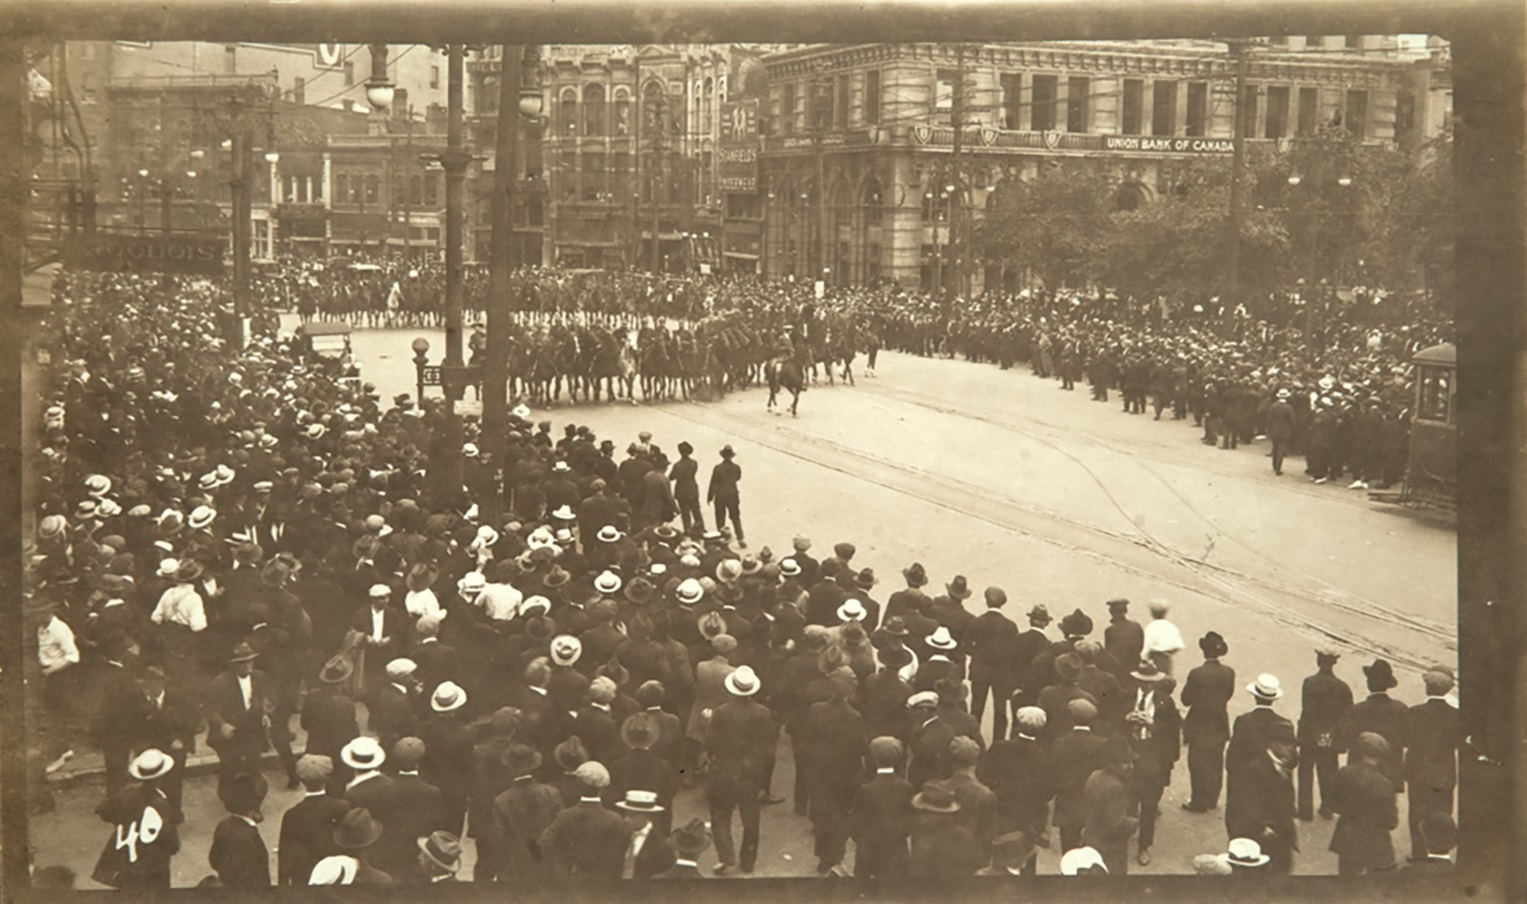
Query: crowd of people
{"x": 1326, "y": 377}
{"x": 538, "y": 664}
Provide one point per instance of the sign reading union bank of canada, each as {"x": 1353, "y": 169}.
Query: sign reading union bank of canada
{"x": 1168, "y": 145}
{"x": 146, "y": 254}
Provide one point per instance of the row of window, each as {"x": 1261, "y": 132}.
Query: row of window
{"x": 1051, "y": 102}
{"x": 363, "y": 188}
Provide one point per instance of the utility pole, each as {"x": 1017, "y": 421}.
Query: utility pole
{"x": 957, "y": 114}
{"x": 506, "y": 168}
{"x": 1240, "y": 50}
{"x": 822, "y": 103}
{"x": 454, "y": 161}
{"x": 240, "y": 186}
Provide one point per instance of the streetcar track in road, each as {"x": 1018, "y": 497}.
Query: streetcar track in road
{"x": 1322, "y": 591}
{"x": 1219, "y": 584}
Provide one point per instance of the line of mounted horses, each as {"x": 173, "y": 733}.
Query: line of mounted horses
{"x": 607, "y": 359}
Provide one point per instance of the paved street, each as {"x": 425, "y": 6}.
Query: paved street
{"x": 1002, "y": 477}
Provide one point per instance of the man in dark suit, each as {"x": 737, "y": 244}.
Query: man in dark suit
{"x": 1206, "y": 727}
{"x": 1076, "y": 755}
{"x": 328, "y": 716}
{"x": 238, "y": 716}
{"x": 669, "y": 741}
{"x": 594, "y": 723}
{"x": 833, "y": 737}
{"x": 928, "y": 737}
{"x": 1280, "y": 429}
{"x": 307, "y": 829}
{"x": 1154, "y": 729}
{"x": 238, "y": 854}
{"x": 1029, "y": 645}
{"x": 647, "y": 852}
{"x": 438, "y": 662}
{"x": 740, "y": 740}
{"x": 990, "y": 642}
{"x": 880, "y": 821}
{"x": 1431, "y": 761}
{"x": 1384, "y": 716}
{"x": 448, "y": 753}
{"x": 521, "y": 813}
{"x": 392, "y": 714}
{"x": 168, "y": 722}
{"x": 643, "y": 770}
{"x": 118, "y": 720}
{"x": 1326, "y": 701}
{"x": 409, "y": 809}
{"x": 586, "y": 840}
{"x": 1021, "y": 773}
{"x": 1259, "y": 763}
{"x": 384, "y": 632}
{"x": 1124, "y": 638}
{"x": 884, "y": 694}
{"x": 1364, "y": 799}
{"x": 1105, "y": 800}
{"x": 722, "y": 492}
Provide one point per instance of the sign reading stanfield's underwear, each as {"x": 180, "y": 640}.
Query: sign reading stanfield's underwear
{"x": 1168, "y": 145}
{"x": 146, "y": 254}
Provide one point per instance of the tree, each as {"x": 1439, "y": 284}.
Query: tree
{"x": 1055, "y": 225}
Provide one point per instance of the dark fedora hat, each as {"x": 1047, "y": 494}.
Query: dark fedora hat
{"x": 243, "y": 653}
{"x": 691, "y": 839}
{"x": 936, "y": 797}
{"x": 1078, "y": 623}
{"x": 959, "y": 588}
{"x": 1380, "y": 675}
{"x": 1213, "y": 645}
{"x": 915, "y": 574}
{"x": 357, "y": 830}
{"x": 640, "y": 731}
{"x": 521, "y": 759}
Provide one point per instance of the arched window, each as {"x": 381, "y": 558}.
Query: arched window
{"x": 373, "y": 189}
{"x": 653, "y": 102}
{"x": 622, "y": 112}
{"x": 568, "y": 104}
{"x": 707, "y": 106}
{"x": 593, "y": 110}
{"x": 872, "y": 200}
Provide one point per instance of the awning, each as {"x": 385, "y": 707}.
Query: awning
{"x": 742, "y": 255}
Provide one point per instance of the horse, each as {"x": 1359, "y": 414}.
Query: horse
{"x": 786, "y": 372}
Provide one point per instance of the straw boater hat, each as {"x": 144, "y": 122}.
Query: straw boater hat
{"x": 448, "y": 697}
{"x": 566, "y": 650}
{"x": 1147, "y": 672}
{"x": 471, "y": 583}
{"x": 942, "y": 639}
{"x": 608, "y": 583}
{"x": 1266, "y": 687}
{"x": 363, "y": 754}
{"x": 743, "y": 682}
{"x": 638, "y": 801}
{"x": 151, "y": 764}
{"x": 853, "y": 610}
{"x": 689, "y": 592}
{"x": 1244, "y": 853}
{"x": 608, "y": 534}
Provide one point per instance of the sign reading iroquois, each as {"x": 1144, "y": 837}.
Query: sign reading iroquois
{"x": 146, "y": 254}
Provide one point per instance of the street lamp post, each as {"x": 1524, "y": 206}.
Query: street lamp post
{"x": 142, "y": 196}
{"x": 421, "y": 358}
{"x": 454, "y": 161}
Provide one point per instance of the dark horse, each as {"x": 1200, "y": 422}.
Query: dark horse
{"x": 786, "y": 372}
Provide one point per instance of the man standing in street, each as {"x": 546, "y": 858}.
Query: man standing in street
{"x": 1280, "y": 429}
{"x": 238, "y": 717}
{"x": 1366, "y": 802}
{"x": 1259, "y": 792}
{"x": 990, "y": 642}
{"x": 1206, "y": 727}
{"x": 722, "y": 493}
{"x": 1154, "y": 729}
{"x": 740, "y": 739}
{"x": 1326, "y": 700}
{"x": 1105, "y": 799}
{"x": 686, "y": 489}
{"x": 1431, "y": 760}
{"x": 1123, "y": 639}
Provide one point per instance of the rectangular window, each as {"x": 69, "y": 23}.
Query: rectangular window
{"x": 1277, "y": 112}
{"x": 349, "y": 72}
{"x": 1313, "y": 42}
{"x": 872, "y": 97}
{"x": 1404, "y": 114}
{"x": 840, "y": 105}
{"x": 1309, "y": 110}
{"x": 1279, "y": 41}
{"x": 948, "y": 81}
{"x": 1012, "y": 99}
{"x": 1353, "y": 42}
{"x": 1134, "y": 106}
{"x": 434, "y": 75}
{"x": 1249, "y": 117}
{"x": 1198, "y": 109}
{"x": 1078, "y": 104}
{"x": 1356, "y": 118}
{"x": 1164, "y": 114}
{"x": 1046, "y": 89}
{"x": 787, "y": 108}
{"x": 300, "y": 90}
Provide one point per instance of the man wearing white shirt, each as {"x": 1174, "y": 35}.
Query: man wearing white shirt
{"x": 1162, "y": 639}
{"x": 58, "y": 653}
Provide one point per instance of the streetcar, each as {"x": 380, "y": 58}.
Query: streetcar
{"x": 1431, "y": 471}
{"x": 324, "y": 339}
